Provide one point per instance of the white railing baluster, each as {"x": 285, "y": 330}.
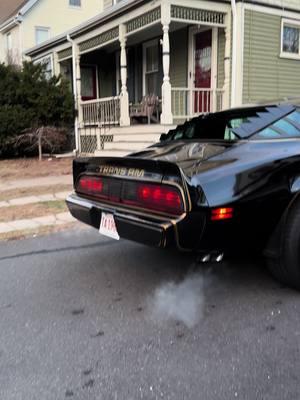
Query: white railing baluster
{"x": 188, "y": 103}
{"x": 101, "y": 111}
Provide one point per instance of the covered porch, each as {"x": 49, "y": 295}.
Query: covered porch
{"x": 164, "y": 65}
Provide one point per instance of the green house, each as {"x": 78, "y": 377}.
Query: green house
{"x": 141, "y": 67}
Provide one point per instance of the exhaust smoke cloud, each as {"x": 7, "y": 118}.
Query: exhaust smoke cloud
{"x": 182, "y": 301}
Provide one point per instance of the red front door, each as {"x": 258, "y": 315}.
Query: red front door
{"x": 202, "y": 62}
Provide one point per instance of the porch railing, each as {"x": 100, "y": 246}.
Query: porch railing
{"x": 100, "y": 112}
{"x": 188, "y": 103}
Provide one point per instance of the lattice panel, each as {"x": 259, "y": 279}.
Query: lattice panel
{"x": 106, "y": 139}
{"x": 143, "y": 20}
{"x": 100, "y": 39}
{"x": 67, "y": 53}
{"x": 88, "y": 144}
{"x": 195, "y": 14}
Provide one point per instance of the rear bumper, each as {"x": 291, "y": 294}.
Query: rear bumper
{"x": 158, "y": 232}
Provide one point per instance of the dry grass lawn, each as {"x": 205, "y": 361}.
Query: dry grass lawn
{"x": 35, "y": 191}
{"x": 26, "y": 168}
{"x": 14, "y": 213}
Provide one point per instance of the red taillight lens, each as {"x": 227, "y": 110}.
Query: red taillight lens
{"x": 160, "y": 198}
{"x": 166, "y": 199}
{"x": 90, "y": 185}
{"x": 219, "y": 214}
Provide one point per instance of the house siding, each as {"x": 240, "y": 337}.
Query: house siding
{"x": 291, "y": 4}
{"x": 15, "y": 54}
{"x": 56, "y": 15}
{"x": 179, "y": 67}
{"x": 221, "y": 56}
{"x": 266, "y": 75}
{"x": 179, "y": 58}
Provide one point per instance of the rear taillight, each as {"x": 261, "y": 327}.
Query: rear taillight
{"x": 90, "y": 185}
{"x": 160, "y": 198}
{"x": 219, "y": 214}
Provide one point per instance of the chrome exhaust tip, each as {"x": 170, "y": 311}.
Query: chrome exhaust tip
{"x": 211, "y": 258}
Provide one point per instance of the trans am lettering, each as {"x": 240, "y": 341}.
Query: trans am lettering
{"x": 121, "y": 171}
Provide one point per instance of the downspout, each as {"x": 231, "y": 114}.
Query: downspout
{"x": 19, "y": 22}
{"x": 234, "y": 53}
{"x": 76, "y": 125}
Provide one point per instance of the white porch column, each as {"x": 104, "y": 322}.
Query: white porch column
{"x": 76, "y": 91}
{"x": 56, "y": 64}
{"x": 124, "y": 98}
{"x": 166, "y": 116}
{"x": 227, "y": 62}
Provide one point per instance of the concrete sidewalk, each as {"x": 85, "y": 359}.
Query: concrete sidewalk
{"x": 35, "y": 182}
{"x": 34, "y": 199}
{"x": 38, "y": 222}
{"x": 34, "y": 223}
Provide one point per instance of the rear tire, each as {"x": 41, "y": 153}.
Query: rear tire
{"x": 284, "y": 261}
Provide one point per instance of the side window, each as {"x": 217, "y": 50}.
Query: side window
{"x": 233, "y": 124}
{"x": 284, "y": 128}
{"x": 41, "y": 34}
{"x": 290, "y": 38}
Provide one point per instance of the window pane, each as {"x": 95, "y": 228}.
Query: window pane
{"x": 267, "y": 133}
{"x": 287, "y": 128}
{"x": 87, "y": 83}
{"x": 75, "y": 3}
{"x": 151, "y": 83}
{"x": 152, "y": 59}
{"x": 283, "y": 128}
{"x": 295, "y": 116}
{"x": 41, "y": 35}
{"x": 290, "y": 40}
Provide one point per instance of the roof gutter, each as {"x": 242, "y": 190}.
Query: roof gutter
{"x": 234, "y": 53}
{"x": 15, "y": 20}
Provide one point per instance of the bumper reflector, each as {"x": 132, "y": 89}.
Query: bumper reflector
{"x": 219, "y": 214}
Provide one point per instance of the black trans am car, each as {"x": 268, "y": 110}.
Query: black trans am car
{"x": 222, "y": 183}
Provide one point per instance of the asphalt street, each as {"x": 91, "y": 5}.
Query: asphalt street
{"x": 85, "y": 317}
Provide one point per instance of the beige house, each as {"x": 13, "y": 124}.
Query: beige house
{"x": 141, "y": 66}
{"x": 24, "y": 24}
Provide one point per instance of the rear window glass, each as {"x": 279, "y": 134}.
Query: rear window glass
{"x": 284, "y": 128}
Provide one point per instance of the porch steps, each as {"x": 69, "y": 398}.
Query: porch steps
{"x": 111, "y": 153}
{"x": 136, "y": 137}
{"x": 131, "y": 139}
{"x": 130, "y": 146}
{"x": 141, "y": 129}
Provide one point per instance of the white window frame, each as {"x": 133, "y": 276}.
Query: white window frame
{"x": 42, "y": 28}
{"x": 150, "y": 43}
{"x": 293, "y": 24}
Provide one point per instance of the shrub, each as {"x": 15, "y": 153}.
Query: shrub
{"x": 29, "y": 102}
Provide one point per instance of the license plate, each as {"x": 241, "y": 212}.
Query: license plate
{"x": 108, "y": 226}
